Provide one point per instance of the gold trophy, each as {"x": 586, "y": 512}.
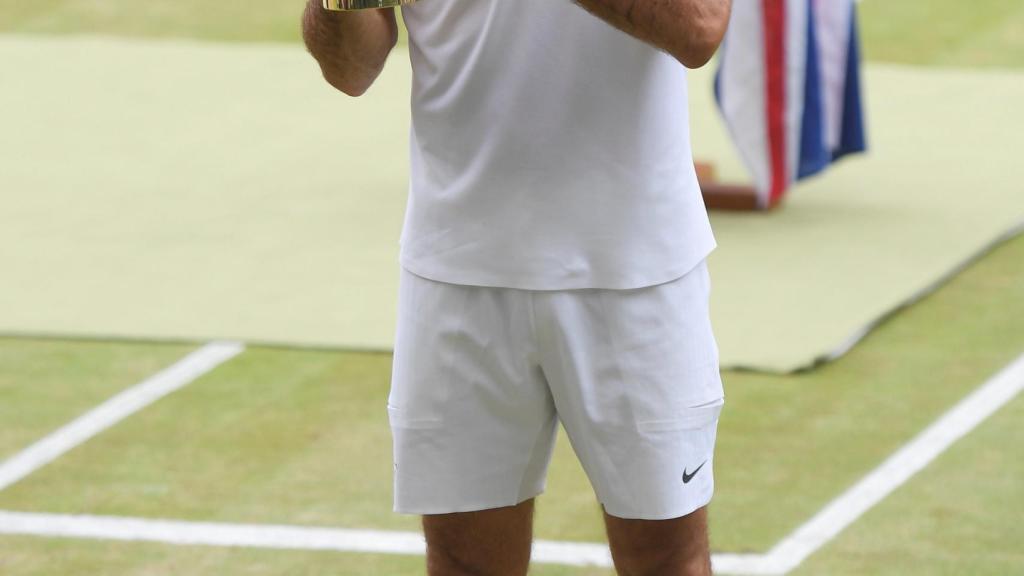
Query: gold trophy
{"x": 363, "y": 4}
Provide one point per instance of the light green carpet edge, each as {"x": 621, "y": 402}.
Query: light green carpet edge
{"x": 188, "y": 191}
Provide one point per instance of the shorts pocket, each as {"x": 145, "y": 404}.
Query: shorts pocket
{"x": 399, "y": 418}
{"x": 692, "y": 418}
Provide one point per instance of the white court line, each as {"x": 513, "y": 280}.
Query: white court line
{"x": 898, "y": 468}
{"x": 782, "y": 558}
{"x": 283, "y": 537}
{"x": 116, "y": 409}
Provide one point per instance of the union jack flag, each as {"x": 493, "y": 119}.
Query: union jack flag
{"x": 788, "y": 86}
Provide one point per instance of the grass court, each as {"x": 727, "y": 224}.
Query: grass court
{"x": 299, "y": 437}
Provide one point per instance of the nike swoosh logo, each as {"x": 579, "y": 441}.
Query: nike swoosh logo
{"x": 688, "y": 477}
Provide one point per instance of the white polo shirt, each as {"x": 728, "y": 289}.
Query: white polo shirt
{"x": 548, "y": 151}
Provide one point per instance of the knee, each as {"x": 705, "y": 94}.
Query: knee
{"x": 675, "y": 547}
{"x": 670, "y": 561}
{"x": 467, "y": 557}
{"x": 446, "y": 559}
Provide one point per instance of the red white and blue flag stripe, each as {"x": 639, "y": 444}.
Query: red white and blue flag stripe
{"x": 788, "y": 86}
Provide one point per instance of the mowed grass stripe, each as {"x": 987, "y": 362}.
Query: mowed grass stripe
{"x": 284, "y": 436}
{"x": 929, "y": 32}
{"x": 252, "y": 21}
{"x": 901, "y": 466}
{"x": 300, "y": 437}
{"x": 30, "y": 556}
{"x": 114, "y": 410}
{"x": 944, "y": 32}
{"x": 44, "y": 384}
{"x": 960, "y": 515}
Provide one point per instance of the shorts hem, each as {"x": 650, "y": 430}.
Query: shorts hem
{"x": 661, "y": 515}
{"x": 460, "y": 507}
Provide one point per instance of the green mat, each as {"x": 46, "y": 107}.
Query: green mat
{"x": 179, "y": 190}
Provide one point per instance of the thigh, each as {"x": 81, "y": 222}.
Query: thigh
{"x": 471, "y": 417}
{"x": 634, "y": 375}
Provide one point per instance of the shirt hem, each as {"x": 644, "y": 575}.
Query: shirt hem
{"x": 528, "y": 282}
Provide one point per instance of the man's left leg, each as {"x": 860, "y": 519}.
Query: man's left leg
{"x": 674, "y": 547}
{"x": 634, "y": 377}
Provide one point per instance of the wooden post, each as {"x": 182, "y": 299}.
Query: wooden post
{"x": 732, "y": 197}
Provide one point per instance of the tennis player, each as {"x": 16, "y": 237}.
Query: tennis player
{"x": 552, "y": 270}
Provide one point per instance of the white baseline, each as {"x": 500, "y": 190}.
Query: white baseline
{"x": 288, "y": 537}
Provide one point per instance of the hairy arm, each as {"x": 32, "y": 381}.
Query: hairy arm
{"x": 351, "y": 47}
{"x": 690, "y": 30}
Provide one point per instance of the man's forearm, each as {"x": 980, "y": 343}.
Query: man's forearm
{"x": 351, "y": 47}
{"x": 690, "y": 30}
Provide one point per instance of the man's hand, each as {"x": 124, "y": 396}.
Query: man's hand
{"x": 351, "y": 47}
{"x": 690, "y": 30}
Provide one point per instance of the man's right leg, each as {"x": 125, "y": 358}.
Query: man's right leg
{"x": 483, "y": 543}
{"x": 473, "y": 424}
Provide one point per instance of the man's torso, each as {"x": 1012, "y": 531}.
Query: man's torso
{"x": 548, "y": 151}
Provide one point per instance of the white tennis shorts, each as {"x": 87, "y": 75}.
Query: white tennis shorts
{"x": 482, "y": 376}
